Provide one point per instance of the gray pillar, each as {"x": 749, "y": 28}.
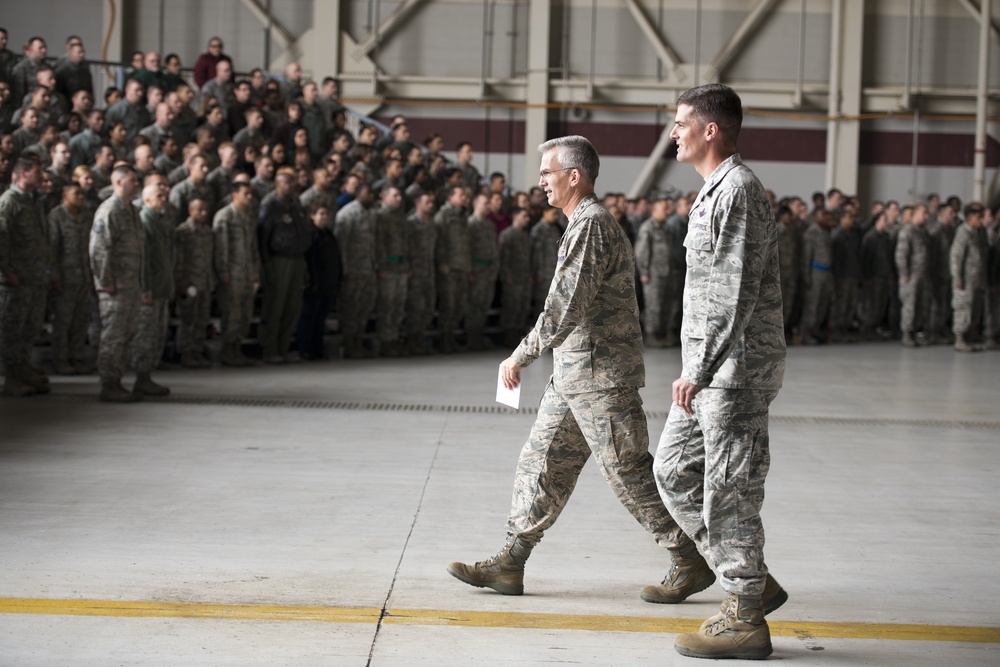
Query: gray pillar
{"x": 536, "y": 114}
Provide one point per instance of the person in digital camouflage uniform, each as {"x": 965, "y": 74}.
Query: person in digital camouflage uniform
{"x": 485, "y": 264}
{"x": 968, "y": 258}
{"x": 713, "y": 454}
{"x": 355, "y": 231}
{"x": 194, "y": 280}
{"x": 117, "y": 256}
{"x": 422, "y": 294}
{"x": 912, "y": 256}
{"x": 652, "y": 260}
{"x": 69, "y": 231}
{"x": 591, "y": 405}
{"x": 392, "y": 260}
{"x": 236, "y": 260}
{"x": 515, "y": 276}
{"x": 24, "y": 261}
{"x": 454, "y": 264}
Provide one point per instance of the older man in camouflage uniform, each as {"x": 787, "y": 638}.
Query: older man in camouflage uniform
{"x": 421, "y": 295}
{"x": 454, "y": 264}
{"x": 392, "y": 259}
{"x": 485, "y": 265}
{"x": 591, "y": 404}
{"x": 652, "y": 260}
{"x": 713, "y": 455}
{"x": 237, "y": 265}
{"x": 117, "y": 260}
{"x": 355, "y": 232}
{"x": 24, "y": 261}
{"x": 912, "y": 257}
{"x": 969, "y": 255}
{"x": 158, "y": 223}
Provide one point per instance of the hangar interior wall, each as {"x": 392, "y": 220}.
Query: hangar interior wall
{"x": 485, "y": 45}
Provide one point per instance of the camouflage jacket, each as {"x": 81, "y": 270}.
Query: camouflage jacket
{"x": 652, "y": 248}
{"x": 236, "y": 256}
{"x": 545, "y": 251}
{"x": 193, "y": 247}
{"x": 182, "y": 194}
{"x": 355, "y": 232}
{"x": 423, "y": 239}
{"x": 968, "y": 258}
{"x": 69, "y": 239}
{"x": 913, "y": 252}
{"x": 452, "y": 240}
{"x": 789, "y": 252}
{"x": 159, "y": 267}
{"x": 515, "y": 255}
{"x": 732, "y": 332}
{"x": 392, "y": 240}
{"x": 24, "y": 238}
{"x": 483, "y": 246}
{"x": 817, "y": 249}
{"x": 591, "y": 319}
{"x": 117, "y": 247}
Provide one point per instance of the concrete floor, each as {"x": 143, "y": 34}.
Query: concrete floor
{"x": 304, "y": 515}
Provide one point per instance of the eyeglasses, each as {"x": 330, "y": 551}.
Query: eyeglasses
{"x": 215, "y": 46}
{"x": 545, "y": 173}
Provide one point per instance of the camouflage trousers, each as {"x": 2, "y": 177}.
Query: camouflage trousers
{"x": 420, "y": 297}
{"x": 515, "y": 305}
{"x": 452, "y": 291}
{"x": 391, "y": 306}
{"x": 609, "y": 424}
{"x": 71, "y": 314}
{"x": 236, "y": 305}
{"x": 968, "y": 308}
{"x": 481, "y": 291}
{"x": 656, "y": 296}
{"x": 817, "y": 302}
{"x": 194, "y": 313}
{"x": 710, "y": 469}
{"x": 914, "y": 300}
{"x": 356, "y": 302}
{"x": 119, "y": 324}
{"x": 845, "y": 304}
{"x": 22, "y": 314}
{"x": 147, "y": 348}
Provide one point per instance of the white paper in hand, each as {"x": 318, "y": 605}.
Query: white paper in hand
{"x": 509, "y": 397}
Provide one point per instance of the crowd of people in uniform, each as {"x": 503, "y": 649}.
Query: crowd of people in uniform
{"x": 127, "y": 223}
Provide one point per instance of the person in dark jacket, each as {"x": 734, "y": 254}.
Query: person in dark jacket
{"x": 325, "y": 271}
{"x": 285, "y": 235}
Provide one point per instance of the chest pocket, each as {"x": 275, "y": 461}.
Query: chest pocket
{"x": 700, "y": 236}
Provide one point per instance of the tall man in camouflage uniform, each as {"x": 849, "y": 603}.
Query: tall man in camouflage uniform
{"x": 485, "y": 267}
{"x": 237, "y": 265}
{"x": 392, "y": 259}
{"x": 69, "y": 231}
{"x": 817, "y": 264}
{"x": 24, "y": 261}
{"x": 515, "y": 274}
{"x": 158, "y": 223}
{"x": 421, "y": 295}
{"x": 454, "y": 264}
{"x": 912, "y": 266}
{"x": 355, "y": 232}
{"x": 117, "y": 258}
{"x": 591, "y": 404}
{"x": 652, "y": 260}
{"x": 969, "y": 255}
{"x": 713, "y": 455}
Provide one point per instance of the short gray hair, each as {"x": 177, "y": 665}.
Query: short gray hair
{"x": 575, "y": 152}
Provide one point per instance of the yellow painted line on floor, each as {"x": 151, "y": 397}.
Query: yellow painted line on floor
{"x": 482, "y": 619}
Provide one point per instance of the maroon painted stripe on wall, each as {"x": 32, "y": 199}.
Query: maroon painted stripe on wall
{"x": 935, "y": 149}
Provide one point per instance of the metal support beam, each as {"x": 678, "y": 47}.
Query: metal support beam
{"x": 649, "y": 170}
{"x": 740, "y": 36}
{"x": 324, "y": 56}
{"x": 536, "y": 116}
{"x": 387, "y": 25}
{"x": 971, "y": 7}
{"x": 667, "y": 55}
{"x": 979, "y": 161}
{"x": 846, "y": 94}
{"x": 279, "y": 32}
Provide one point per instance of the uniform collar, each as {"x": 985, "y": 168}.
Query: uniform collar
{"x": 717, "y": 175}
{"x": 585, "y": 203}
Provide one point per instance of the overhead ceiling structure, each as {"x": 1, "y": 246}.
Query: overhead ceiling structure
{"x": 842, "y": 100}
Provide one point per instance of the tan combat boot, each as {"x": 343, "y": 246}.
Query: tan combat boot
{"x": 504, "y": 572}
{"x": 737, "y": 631}
{"x": 963, "y": 345}
{"x": 908, "y": 340}
{"x": 114, "y": 392}
{"x": 686, "y": 577}
{"x": 144, "y": 386}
